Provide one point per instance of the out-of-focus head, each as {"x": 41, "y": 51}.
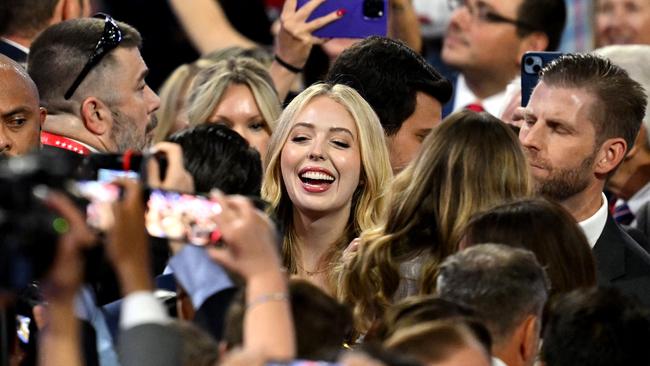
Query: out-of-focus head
{"x": 327, "y": 154}
{"x": 322, "y": 324}
{"x": 564, "y": 251}
{"x": 508, "y": 289}
{"x": 112, "y": 100}
{"x": 402, "y": 88}
{"x": 491, "y": 35}
{"x": 218, "y": 157}
{"x": 27, "y": 18}
{"x": 440, "y": 343}
{"x": 468, "y": 163}
{"x": 622, "y": 22}
{"x": 581, "y": 119}
{"x": 238, "y": 93}
{"x": 612, "y": 327}
{"x": 20, "y": 114}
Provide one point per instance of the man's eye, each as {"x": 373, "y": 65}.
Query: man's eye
{"x": 17, "y": 122}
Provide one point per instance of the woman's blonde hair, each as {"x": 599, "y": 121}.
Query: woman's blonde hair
{"x": 467, "y": 164}
{"x": 368, "y": 200}
{"x": 211, "y": 84}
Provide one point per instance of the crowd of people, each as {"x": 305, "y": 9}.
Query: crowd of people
{"x": 387, "y": 213}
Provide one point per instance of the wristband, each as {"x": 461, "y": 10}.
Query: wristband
{"x": 275, "y": 296}
{"x": 288, "y": 66}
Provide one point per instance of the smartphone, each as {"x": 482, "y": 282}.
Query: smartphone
{"x": 362, "y": 18}
{"x": 108, "y": 167}
{"x": 181, "y": 216}
{"x": 100, "y": 195}
{"x": 532, "y": 64}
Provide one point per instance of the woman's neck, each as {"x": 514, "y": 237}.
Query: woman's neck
{"x": 315, "y": 235}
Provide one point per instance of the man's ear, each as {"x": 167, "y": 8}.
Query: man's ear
{"x": 611, "y": 153}
{"x": 96, "y": 116}
{"x": 529, "y": 345}
{"x": 42, "y": 114}
{"x": 536, "y": 41}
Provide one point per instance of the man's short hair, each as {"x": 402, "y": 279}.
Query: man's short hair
{"x": 61, "y": 51}
{"x": 388, "y": 75}
{"x": 596, "y": 327}
{"x": 218, "y": 157}
{"x": 503, "y": 284}
{"x": 620, "y": 101}
{"x": 547, "y": 16}
{"x": 25, "y": 17}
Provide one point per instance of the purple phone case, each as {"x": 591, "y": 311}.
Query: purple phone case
{"x": 351, "y": 25}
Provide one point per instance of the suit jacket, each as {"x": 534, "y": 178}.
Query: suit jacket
{"x": 150, "y": 345}
{"x": 13, "y": 53}
{"x": 622, "y": 263}
{"x": 643, "y": 219}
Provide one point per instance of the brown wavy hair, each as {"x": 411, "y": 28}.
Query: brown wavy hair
{"x": 470, "y": 162}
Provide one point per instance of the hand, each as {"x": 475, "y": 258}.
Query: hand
{"x": 127, "y": 246}
{"x": 66, "y": 274}
{"x": 177, "y": 178}
{"x": 249, "y": 236}
{"x": 295, "y": 39}
{"x": 350, "y": 251}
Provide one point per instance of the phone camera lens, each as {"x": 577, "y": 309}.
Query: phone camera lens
{"x": 373, "y": 8}
{"x": 529, "y": 61}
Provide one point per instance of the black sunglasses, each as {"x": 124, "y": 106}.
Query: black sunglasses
{"x": 111, "y": 38}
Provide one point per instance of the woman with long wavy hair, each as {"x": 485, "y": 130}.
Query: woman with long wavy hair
{"x": 326, "y": 170}
{"x": 468, "y": 163}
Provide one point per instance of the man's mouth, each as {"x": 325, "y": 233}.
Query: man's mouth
{"x": 153, "y": 122}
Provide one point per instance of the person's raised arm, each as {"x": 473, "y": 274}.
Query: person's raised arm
{"x": 295, "y": 41}
{"x": 403, "y": 24}
{"x": 251, "y": 249}
{"x": 207, "y": 25}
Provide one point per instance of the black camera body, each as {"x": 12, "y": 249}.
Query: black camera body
{"x": 29, "y": 230}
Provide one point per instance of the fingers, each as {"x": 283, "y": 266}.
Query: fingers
{"x": 177, "y": 177}
{"x": 305, "y": 11}
{"x": 323, "y": 21}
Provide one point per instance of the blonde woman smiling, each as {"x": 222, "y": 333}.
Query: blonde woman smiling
{"x": 326, "y": 168}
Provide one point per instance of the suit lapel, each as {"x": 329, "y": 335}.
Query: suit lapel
{"x": 610, "y": 253}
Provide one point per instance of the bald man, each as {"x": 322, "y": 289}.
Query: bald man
{"x": 20, "y": 112}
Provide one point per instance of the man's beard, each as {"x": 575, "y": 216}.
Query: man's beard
{"x": 126, "y": 135}
{"x": 563, "y": 183}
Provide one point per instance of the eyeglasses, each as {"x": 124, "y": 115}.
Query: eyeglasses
{"x": 483, "y": 13}
{"x": 111, "y": 38}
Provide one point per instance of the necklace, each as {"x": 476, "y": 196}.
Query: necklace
{"x": 310, "y": 273}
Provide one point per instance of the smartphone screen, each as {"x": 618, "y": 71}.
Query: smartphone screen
{"x": 183, "y": 217}
{"x": 109, "y": 175}
{"x": 101, "y": 195}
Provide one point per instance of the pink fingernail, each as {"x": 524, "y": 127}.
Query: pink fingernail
{"x": 341, "y": 12}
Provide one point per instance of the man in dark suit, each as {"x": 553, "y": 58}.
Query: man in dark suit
{"x": 485, "y": 41}
{"x": 22, "y": 20}
{"x": 578, "y": 125}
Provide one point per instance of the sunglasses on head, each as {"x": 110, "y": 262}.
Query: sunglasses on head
{"x": 110, "y": 39}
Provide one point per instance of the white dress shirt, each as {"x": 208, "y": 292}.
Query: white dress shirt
{"x": 594, "y": 225}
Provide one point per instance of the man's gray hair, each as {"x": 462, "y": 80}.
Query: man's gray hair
{"x": 503, "y": 284}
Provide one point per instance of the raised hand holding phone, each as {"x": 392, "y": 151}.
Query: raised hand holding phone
{"x": 177, "y": 178}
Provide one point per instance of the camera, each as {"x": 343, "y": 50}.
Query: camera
{"x": 29, "y": 230}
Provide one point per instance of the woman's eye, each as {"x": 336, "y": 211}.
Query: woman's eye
{"x": 299, "y": 138}
{"x": 257, "y": 126}
{"x": 340, "y": 143}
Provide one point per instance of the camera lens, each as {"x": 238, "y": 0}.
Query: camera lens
{"x": 373, "y": 8}
{"x": 529, "y": 61}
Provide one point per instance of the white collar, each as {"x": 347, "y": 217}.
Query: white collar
{"x": 594, "y": 225}
{"x": 496, "y": 361}
{"x": 464, "y": 96}
{"x": 15, "y": 44}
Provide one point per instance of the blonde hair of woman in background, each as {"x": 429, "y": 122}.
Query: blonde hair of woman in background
{"x": 359, "y": 190}
{"x": 468, "y": 163}
{"x": 239, "y": 93}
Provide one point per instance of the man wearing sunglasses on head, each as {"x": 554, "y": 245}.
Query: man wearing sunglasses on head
{"x": 485, "y": 41}
{"x": 91, "y": 78}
